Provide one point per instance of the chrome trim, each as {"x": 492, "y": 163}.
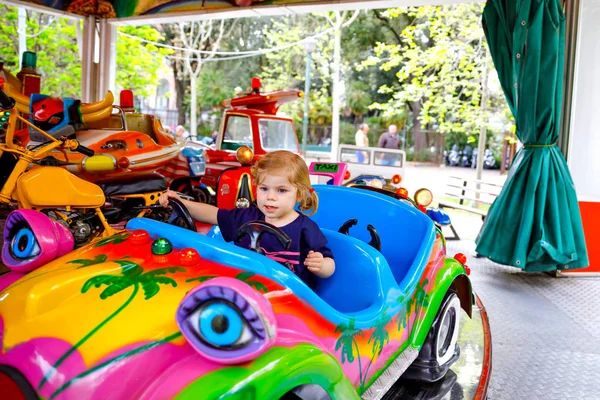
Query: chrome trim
{"x": 387, "y": 379}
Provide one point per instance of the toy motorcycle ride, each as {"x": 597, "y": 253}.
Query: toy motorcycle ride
{"x": 125, "y": 142}
{"x": 87, "y": 209}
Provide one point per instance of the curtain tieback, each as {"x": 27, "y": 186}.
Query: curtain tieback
{"x": 527, "y": 146}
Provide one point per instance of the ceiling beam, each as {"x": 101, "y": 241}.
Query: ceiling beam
{"x": 43, "y": 9}
{"x": 275, "y": 9}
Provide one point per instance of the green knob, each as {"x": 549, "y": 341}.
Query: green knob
{"x": 161, "y": 246}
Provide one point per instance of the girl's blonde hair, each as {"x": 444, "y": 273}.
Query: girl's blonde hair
{"x": 297, "y": 172}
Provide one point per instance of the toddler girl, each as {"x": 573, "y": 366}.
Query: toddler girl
{"x": 282, "y": 181}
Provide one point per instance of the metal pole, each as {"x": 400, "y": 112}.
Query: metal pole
{"x": 22, "y": 27}
{"x": 483, "y": 130}
{"x": 306, "y": 95}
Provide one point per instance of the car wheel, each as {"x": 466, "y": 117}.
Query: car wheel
{"x": 440, "y": 349}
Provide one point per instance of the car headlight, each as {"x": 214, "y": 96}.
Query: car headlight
{"x": 423, "y": 197}
{"x": 244, "y": 155}
{"x": 227, "y": 321}
{"x": 242, "y": 203}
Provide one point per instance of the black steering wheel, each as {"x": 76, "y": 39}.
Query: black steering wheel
{"x": 375, "y": 239}
{"x": 181, "y": 216}
{"x": 255, "y": 229}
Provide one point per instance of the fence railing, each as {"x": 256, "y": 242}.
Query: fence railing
{"x": 167, "y": 117}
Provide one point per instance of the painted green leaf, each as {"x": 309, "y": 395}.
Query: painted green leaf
{"x": 201, "y": 278}
{"x": 98, "y": 281}
{"x": 243, "y": 276}
{"x": 115, "y": 239}
{"x": 116, "y": 287}
{"x": 99, "y": 259}
{"x": 150, "y": 289}
{"x": 130, "y": 268}
{"x": 257, "y": 285}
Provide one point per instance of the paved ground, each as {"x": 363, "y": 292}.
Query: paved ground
{"x": 545, "y": 331}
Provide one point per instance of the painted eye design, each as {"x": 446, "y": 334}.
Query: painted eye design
{"x": 31, "y": 239}
{"x": 24, "y": 245}
{"x": 221, "y": 324}
{"x": 227, "y": 321}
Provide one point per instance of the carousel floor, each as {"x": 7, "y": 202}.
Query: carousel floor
{"x": 545, "y": 332}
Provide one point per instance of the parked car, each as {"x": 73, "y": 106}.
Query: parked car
{"x": 159, "y": 311}
{"x": 367, "y": 162}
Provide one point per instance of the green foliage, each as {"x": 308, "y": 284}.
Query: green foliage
{"x": 287, "y": 69}
{"x": 347, "y": 133}
{"x": 358, "y": 98}
{"x": 54, "y": 41}
{"x": 139, "y": 64}
{"x": 439, "y": 62}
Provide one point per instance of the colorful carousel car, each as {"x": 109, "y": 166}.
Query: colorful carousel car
{"x": 125, "y": 143}
{"x": 160, "y": 312}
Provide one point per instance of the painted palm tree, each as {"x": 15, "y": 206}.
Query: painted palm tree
{"x": 421, "y": 296}
{"x": 246, "y": 277}
{"x": 86, "y": 262}
{"x": 402, "y": 317}
{"x": 347, "y": 342}
{"x": 380, "y": 337}
{"x": 132, "y": 275}
{"x": 114, "y": 239}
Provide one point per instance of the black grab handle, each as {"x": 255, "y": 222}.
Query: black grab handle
{"x": 6, "y": 102}
{"x": 84, "y": 150}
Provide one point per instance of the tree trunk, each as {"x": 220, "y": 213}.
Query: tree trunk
{"x": 193, "y": 108}
{"x": 180, "y": 85}
{"x": 420, "y": 139}
{"x": 335, "y": 115}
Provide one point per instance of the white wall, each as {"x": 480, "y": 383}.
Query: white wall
{"x": 584, "y": 147}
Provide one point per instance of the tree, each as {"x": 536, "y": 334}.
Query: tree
{"x": 54, "y": 41}
{"x": 358, "y": 98}
{"x": 438, "y": 65}
{"x": 286, "y": 69}
{"x": 139, "y": 63}
{"x": 338, "y": 21}
{"x": 201, "y": 44}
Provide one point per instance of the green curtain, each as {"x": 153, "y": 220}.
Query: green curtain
{"x": 535, "y": 223}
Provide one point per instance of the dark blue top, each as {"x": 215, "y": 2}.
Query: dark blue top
{"x": 303, "y": 231}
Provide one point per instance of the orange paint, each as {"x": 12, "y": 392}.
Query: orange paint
{"x": 590, "y": 217}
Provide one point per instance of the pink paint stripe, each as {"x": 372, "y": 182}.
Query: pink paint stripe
{"x": 281, "y": 259}
{"x": 282, "y": 253}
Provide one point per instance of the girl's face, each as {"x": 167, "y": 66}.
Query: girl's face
{"x": 276, "y": 198}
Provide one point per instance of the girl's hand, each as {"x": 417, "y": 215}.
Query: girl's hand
{"x": 314, "y": 261}
{"x": 164, "y": 198}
